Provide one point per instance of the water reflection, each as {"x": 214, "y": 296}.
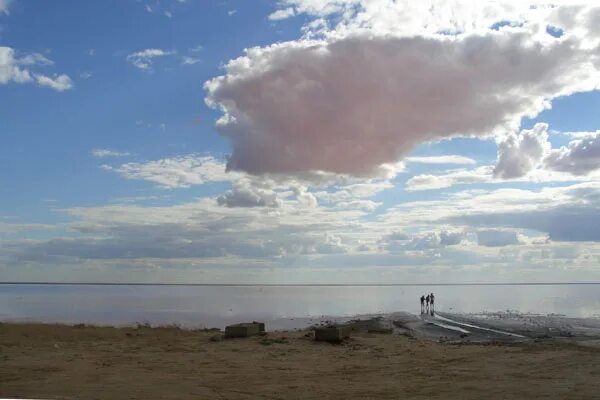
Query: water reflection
{"x": 216, "y": 306}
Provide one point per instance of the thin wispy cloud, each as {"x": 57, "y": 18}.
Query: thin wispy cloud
{"x": 448, "y": 159}
{"x": 186, "y": 60}
{"x": 177, "y": 172}
{"x": 144, "y": 59}
{"x": 4, "y": 6}
{"x": 102, "y": 153}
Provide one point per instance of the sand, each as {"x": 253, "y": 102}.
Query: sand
{"x": 70, "y": 362}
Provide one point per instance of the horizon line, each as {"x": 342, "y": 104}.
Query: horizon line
{"x": 300, "y": 284}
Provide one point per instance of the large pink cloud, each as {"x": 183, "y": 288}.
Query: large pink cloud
{"x": 350, "y": 104}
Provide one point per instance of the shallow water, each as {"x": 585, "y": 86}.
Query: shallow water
{"x": 283, "y": 306}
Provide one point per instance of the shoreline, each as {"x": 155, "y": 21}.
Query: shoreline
{"x": 499, "y": 327}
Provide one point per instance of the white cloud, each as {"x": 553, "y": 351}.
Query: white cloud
{"x": 447, "y": 159}
{"x": 4, "y": 5}
{"x": 58, "y": 82}
{"x": 402, "y": 242}
{"x": 144, "y": 59}
{"x": 244, "y": 194}
{"x": 526, "y": 157}
{"x": 569, "y": 213}
{"x": 367, "y": 205}
{"x": 168, "y": 14}
{"x": 231, "y": 12}
{"x": 519, "y": 155}
{"x": 187, "y": 60}
{"x": 13, "y": 69}
{"x": 441, "y": 236}
{"x": 10, "y": 71}
{"x": 409, "y": 17}
{"x": 6, "y": 228}
{"x": 346, "y": 193}
{"x": 101, "y": 153}
{"x": 365, "y": 95}
{"x": 463, "y": 176}
{"x": 35, "y": 59}
{"x": 304, "y": 197}
{"x": 177, "y": 172}
{"x": 579, "y": 157}
{"x": 282, "y": 14}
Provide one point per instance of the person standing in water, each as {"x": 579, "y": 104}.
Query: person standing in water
{"x": 422, "y": 304}
{"x": 431, "y": 301}
{"x": 427, "y": 304}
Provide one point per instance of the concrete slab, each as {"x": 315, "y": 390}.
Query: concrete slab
{"x": 261, "y": 326}
{"x": 244, "y": 330}
{"x": 332, "y": 333}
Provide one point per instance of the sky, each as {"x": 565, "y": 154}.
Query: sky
{"x": 299, "y": 141}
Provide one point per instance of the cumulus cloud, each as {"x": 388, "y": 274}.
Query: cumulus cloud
{"x": 579, "y": 157}
{"x": 401, "y": 242}
{"x": 363, "y": 96}
{"x": 198, "y": 230}
{"x": 569, "y": 213}
{"x": 244, "y": 194}
{"x": 520, "y": 154}
{"x": 451, "y": 238}
{"x": 177, "y": 172}
{"x": 526, "y": 157}
{"x": 204, "y": 232}
{"x": 145, "y": 58}
{"x": 15, "y": 69}
{"x": 10, "y": 71}
{"x": 409, "y": 17}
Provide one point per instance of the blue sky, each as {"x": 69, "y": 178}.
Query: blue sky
{"x": 356, "y": 141}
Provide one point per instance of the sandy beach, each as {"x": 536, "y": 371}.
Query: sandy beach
{"x": 84, "y": 362}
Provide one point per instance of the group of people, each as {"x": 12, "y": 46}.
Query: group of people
{"x": 428, "y": 304}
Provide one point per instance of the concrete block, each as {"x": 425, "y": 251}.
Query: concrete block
{"x": 244, "y": 330}
{"x": 261, "y": 326}
{"x": 332, "y": 333}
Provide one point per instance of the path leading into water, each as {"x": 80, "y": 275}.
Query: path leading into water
{"x": 498, "y": 327}
{"x": 439, "y": 317}
{"x": 447, "y": 327}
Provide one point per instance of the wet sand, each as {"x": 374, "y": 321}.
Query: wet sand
{"x": 81, "y": 362}
{"x": 505, "y": 327}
